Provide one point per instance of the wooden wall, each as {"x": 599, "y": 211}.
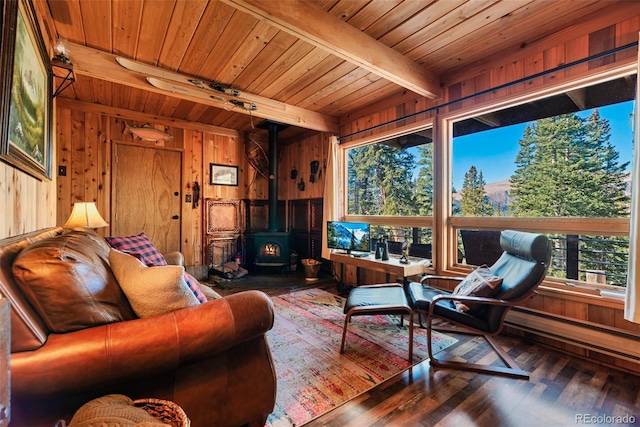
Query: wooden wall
{"x": 27, "y": 203}
{"x": 85, "y": 133}
{"x": 574, "y": 43}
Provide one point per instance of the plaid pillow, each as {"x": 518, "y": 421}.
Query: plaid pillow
{"x": 140, "y": 247}
{"x": 194, "y": 285}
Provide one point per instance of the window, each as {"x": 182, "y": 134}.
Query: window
{"x": 566, "y": 157}
{"x": 390, "y": 185}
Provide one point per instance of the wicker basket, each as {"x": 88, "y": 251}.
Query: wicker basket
{"x": 164, "y": 410}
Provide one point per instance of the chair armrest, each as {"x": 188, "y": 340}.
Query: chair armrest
{"x": 483, "y": 300}
{"x": 135, "y": 349}
{"x": 429, "y": 277}
{"x": 174, "y": 258}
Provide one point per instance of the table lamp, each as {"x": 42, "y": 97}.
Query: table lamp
{"x": 85, "y": 215}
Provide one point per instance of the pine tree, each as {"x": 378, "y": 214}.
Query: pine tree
{"x": 567, "y": 167}
{"x": 424, "y": 181}
{"x": 473, "y": 198}
{"x": 380, "y": 181}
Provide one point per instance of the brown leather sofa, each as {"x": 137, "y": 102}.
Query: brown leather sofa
{"x": 212, "y": 359}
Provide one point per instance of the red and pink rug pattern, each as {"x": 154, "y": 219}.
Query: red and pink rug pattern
{"x": 313, "y": 377}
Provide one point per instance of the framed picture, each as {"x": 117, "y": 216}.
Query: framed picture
{"x": 223, "y": 174}
{"x": 25, "y": 105}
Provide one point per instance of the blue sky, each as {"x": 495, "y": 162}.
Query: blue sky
{"x": 498, "y": 153}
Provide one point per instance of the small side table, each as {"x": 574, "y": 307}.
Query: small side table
{"x": 378, "y": 299}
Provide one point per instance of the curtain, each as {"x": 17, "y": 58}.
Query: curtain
{"x": 331, "y": 208}
{"x": 632, "y": 300}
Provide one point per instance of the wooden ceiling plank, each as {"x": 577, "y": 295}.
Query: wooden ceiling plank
{"x": 265, "y": 59}
{"x": 137, "y": 99}
{"x": 286, "y": 60}
{"x": 183, "y": 109}
{"x": 101, "y": 65}
{"x": 514, "y": 52}
{"x": 536, "y": 22}
{"x": 422, "y": 20}
{"x": 94, "y": 15}
{"x": 169, "y": 106}
{"x": 103, "y": 91}
{"x": 83, "y": 88}
{"x": 155, "y": 20}
{"x": 127, "y": 16}
{"x": 184, "y": 21}
{"x": 214, "y": 20}
{"x": 335, "y": 88}
{"x": 290, "y": 75}
{"x": 498, "y": 15}
{"x": 396, "y": 17}
{"x": 240, "y": 27}
{"x": 445, "y": 23}
{"x": 331, "y": 101}
{"x": 367, "y": 95}
{"x": 154, "y": 102}
{"x": 68, "y": 22}
{"x": 345, "y": 10}
{"x": 312, "y": 24}
{"x": 197, "y": 110}
{"x": 328, "y": 70}
{"x": 260, "y": 37}
{"x": 371, "y": 13}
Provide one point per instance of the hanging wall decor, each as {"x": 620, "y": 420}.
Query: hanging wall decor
{"x": 25, "y": 106}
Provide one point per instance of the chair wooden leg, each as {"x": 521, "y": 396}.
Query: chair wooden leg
{"x": 410, "y": 336}
{"x": 511, "y": 370}
{"x": 347, "y": 319}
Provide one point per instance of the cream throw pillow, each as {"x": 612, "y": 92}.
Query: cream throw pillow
{"x": 151, "y": 290}
{"x": 480, "y": 283}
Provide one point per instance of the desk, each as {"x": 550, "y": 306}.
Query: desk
{"x": 392, "y": 267}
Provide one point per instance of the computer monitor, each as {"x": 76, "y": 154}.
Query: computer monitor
{"x": 349, "y": 236}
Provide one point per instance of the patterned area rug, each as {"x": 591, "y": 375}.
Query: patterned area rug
{"x": 313, "y": 377}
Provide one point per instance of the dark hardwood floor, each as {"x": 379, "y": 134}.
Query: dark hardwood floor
{"x": 563, "y": 391}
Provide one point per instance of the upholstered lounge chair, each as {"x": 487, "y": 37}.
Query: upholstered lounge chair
{"x": 522, "y": 267}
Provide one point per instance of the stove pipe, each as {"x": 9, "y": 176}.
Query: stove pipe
{"x": 273, "y": 176}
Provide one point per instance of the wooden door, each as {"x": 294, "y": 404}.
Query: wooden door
{"x": 147, "y": 194}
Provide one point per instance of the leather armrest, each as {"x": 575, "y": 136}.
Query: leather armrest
{"x": 127, "y": 350}
{"x": 174, "y": 258}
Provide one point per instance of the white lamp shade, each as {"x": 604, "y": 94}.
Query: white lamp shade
{"x": 85, "y": 215}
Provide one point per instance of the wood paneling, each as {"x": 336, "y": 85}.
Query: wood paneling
{"x": 515, "y": 63}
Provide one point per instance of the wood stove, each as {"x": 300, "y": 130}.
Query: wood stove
{"x": 271, "y": 248}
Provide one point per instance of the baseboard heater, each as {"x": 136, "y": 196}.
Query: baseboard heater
{"x": 618, "y": 344}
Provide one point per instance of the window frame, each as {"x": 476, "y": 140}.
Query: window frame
{"x": 448, "y": 225}
{"x": 384, "y": 220}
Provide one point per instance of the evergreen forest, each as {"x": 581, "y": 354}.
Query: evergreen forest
{"x": 566, "y": 166}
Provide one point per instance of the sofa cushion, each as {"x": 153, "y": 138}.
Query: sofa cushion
{"x": 139, "y": 246}
{"x": 68, "y": 282}
{"x": 209, "y": 293}
{"x": 481, "y": 282}
{"x": 151, "y": 290}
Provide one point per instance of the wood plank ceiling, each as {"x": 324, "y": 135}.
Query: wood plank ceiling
{"x": 319, "y": 59}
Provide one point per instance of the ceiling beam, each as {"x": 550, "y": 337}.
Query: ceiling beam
{"x": 103, "y": 66}
{"x": 312, "y": 24}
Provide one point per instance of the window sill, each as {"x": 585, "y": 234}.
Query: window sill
{"x": 586, "y": 294}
